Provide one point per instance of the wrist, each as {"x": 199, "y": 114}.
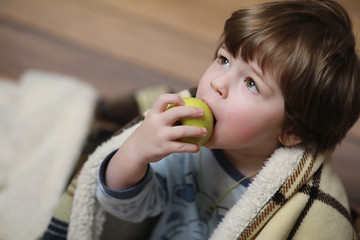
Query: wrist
{"x": 124, "y": 171}
{"x": 126, "y": 193}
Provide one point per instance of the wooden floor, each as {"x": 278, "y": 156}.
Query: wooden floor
{"x": 120, "y": 46}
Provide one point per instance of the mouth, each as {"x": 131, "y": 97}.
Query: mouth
{"x": 214, "y": 119}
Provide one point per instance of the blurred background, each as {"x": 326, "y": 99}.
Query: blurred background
{"x": 119, "y": 46}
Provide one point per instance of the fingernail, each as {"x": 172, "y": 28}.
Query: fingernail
{"x": 203, "y": 131}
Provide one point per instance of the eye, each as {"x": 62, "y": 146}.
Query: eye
{"x": 223, "y": 60}
{"x": 250, "y": 83}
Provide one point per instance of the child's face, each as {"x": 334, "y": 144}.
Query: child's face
{"x": 248, "y": 105}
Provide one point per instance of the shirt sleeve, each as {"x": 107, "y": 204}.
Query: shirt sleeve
{"x": 145, "y": 199}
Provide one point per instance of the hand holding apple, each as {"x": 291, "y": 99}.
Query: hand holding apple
{"x": 206, "y": 121}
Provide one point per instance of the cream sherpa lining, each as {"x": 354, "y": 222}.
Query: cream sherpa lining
{"x": 276, "y": 170}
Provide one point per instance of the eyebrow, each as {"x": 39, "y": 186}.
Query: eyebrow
{"x": 222, "y": 47}
{"x": 261, "y": 76}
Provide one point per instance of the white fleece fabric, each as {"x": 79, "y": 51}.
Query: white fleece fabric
{"x": 44, "y": 120}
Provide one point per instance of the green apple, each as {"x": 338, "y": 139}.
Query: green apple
{"x": 206, "y": 121}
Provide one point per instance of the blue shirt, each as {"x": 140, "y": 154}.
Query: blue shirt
{"x": 181, "y": 191}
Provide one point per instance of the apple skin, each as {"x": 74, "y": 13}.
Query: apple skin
{"x": 206, "y": 121}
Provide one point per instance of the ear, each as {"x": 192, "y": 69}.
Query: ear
{"x": 289, "y": 139}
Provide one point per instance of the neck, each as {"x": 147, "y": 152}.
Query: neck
{"x": 244, "y": 162}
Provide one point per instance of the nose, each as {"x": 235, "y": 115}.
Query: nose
{"x": 220, "y": 85}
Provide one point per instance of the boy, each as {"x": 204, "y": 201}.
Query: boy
{"x": 283, "y": 90}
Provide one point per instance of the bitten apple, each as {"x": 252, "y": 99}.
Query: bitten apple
{"x": 206, "y": 121}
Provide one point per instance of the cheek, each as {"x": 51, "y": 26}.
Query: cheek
{"x": 237, "y": 123}
{"x": 248, "y": 127}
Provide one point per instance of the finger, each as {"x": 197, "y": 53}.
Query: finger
{"x": 164, "y": 100}
{"x": 181, "y": 147}
{"x": 184, "y": 131}
{"x": 174, "y": 114}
